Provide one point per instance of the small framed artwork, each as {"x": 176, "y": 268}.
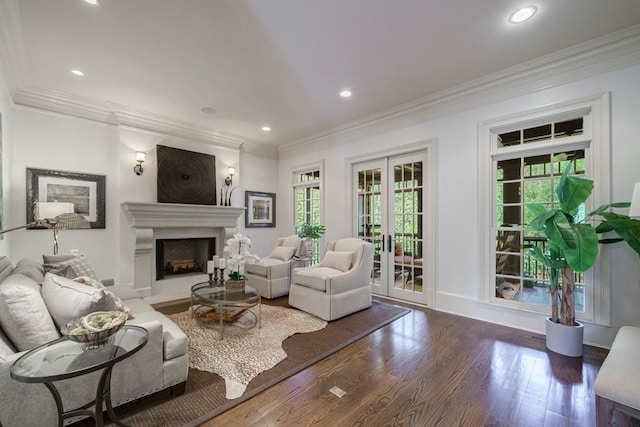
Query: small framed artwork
{"x": 261, "y": 209}
{"x": 82, "y": 192}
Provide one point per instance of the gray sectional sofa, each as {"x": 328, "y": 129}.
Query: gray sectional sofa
{"x": 26, "y": 321}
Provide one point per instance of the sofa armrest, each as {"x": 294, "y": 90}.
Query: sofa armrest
{"x": 145, "y": 366}
{"x": 107, "y": 282}
{"x": 124, "y": 292}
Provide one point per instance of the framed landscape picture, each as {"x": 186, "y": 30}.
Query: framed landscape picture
{"x": 261, "y": 209}
{"x": 85, "y": 191}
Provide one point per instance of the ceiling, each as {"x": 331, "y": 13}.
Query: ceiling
{"x": 282, "y": 63}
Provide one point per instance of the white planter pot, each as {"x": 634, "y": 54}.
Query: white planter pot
{"x": 565, "y": 340}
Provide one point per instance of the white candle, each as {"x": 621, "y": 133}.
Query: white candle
{"x": 210, "y": 266}
{"x": 222, "y": 263}
{"x": 215, "y": 259}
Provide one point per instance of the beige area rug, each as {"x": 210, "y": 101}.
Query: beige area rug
{"x": 243, "y": 354}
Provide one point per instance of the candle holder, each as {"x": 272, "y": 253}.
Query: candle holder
{"x": 221, "y": 277}
{"x": 211, "y": 277}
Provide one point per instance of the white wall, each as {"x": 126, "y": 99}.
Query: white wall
{"x": 48, "y": 141}
{"x": 458, "y": 275}
{"x": 261, "y": 174}
{"x": 5, "y": 114}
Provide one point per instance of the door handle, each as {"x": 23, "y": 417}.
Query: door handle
{"x": 383, "y": 250}
{"x": 389, "y": 243}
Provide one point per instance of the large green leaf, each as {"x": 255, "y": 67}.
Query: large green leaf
{"x": 559, "y": 231}
{"x": 546, "y": 259}
{"x": 542, "y": 215}
{"x": 572, "y": 191}
{"x": 625, "y": 227}
{"x": 583, "y": 255}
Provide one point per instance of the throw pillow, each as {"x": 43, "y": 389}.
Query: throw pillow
{"x": 23, "y": 314}
{"x": 69, "y": 266}
{"x": 283, "y": 253}
{"x": 338, "y": 260}
{"x": 32, "y": 269}
{"x": 120, "y": 306}
{"x": 68, "y": 300}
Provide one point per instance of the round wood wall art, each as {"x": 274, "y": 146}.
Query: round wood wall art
{"x": 186, "y": 176}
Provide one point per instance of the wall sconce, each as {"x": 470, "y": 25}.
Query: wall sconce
{"x": 226, "y": 191}
{"x": 229, "y": 179}
{"x": 140, "y": 157}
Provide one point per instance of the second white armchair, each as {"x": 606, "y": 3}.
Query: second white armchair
{"x": 272, "y": 274}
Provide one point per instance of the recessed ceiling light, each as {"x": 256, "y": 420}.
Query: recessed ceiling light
{"x": 345, "y": 93}
{"x": 92, "y": 2}
{"x": 208, "y": 110}
{"x": 522, "y": 14}
{"x": 77, "y": 72}
{"x": 266, "y": 128}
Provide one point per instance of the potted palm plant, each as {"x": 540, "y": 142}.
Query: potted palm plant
{"x": 573, "y": 247}
{"x": 310, "y": 232}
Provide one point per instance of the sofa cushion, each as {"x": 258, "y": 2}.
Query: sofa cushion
{"x": 6, "y": 268}
{"x": 339, "y": 260}
{"x": 67, "y": 265}
{"x": 6, "y": 346}
{"x": 283, "y": 253}
{"x": 68, "y": 300}
{"x": 125, "y": 292}
{"x": 34, "y": 270}
{"x": 315, "y": 277}
{"x": 23, "y": 313}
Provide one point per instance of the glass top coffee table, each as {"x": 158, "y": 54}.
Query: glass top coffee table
{"x": 61, "y": 359}
{"x": 215, "y": 306}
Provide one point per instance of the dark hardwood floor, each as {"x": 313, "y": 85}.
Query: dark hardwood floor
{"x": 433, "y": 369}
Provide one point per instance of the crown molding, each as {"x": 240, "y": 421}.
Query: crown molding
{"x": 13, "y": 60}
{"x": 119, "y": 115}
{"x": 613, "y": 51}
{"x": 262, "y": 150}
{"x": 131, "y": 117}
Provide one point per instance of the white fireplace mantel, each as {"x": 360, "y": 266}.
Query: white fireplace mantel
{"x": 150, "y": 221}
{"x": 175, "y": 215}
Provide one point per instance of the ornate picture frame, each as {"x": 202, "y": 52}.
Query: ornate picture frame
{"x": 261, "y": 209}
{"x": 85, "y": 191}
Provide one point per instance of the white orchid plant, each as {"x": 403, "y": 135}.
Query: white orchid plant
{"x": 237, "y": 254}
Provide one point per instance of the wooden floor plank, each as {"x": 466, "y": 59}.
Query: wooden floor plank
{"x": 433, "y": 369}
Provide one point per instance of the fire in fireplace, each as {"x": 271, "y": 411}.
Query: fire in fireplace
{"x": 183, "y": 256}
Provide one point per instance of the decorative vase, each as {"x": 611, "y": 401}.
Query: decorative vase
{"x": 234, "y": 286}
{"x": 307, "y": 247}
{"x": 563, "y": 339}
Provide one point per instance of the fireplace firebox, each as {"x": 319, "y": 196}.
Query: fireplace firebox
{"x": 183, "y": 256}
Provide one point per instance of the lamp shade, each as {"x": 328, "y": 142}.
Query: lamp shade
{"x": 634, "y": 209}
{"x": 140, "y": 156}
{"x": 70, "y": 221}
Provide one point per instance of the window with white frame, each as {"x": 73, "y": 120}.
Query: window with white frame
{"x": 522, "y": 159}
{"x": 307, "y": 199}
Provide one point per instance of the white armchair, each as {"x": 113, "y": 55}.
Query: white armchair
{"x": 339, "y": 285}
{"x": 272, "y": 274}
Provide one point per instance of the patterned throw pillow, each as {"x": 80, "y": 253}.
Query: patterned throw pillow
{"x": 120, "y": 305}
{"x": 69, "y": 266}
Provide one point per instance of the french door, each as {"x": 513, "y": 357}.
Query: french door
{"x": 389, "y": 206}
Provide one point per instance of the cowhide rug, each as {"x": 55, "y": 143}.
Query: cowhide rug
{"x": 243, "y": 354}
